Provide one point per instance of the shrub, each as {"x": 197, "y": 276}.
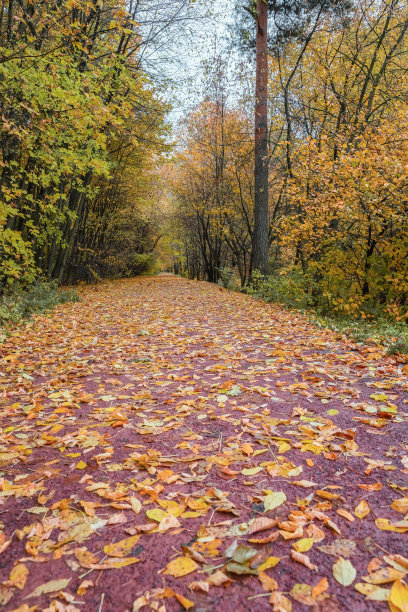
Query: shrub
{"x": 291, "y": 289}
{"x": 226, "y": 276}
{"x": 400, "y": 347}
{"x": 19, "y": 303}
{"x": 139, "y": 263}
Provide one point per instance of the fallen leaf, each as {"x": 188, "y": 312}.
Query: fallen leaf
{"x": 268, "y": 583}
{"x": 218, "y": 579}
{"x": 304, "y": 559}
{"x": 18, "y": 576}
{"x": 49, "y": 587}
{"x": 386, "y": 525}
{"x": 384, "y": 575}
{"x": 398, "y": 598}
{"x": 345, "y": 514}
{"x": 344, "y": 572}
{"x": 400, "y": 505}
{"x": 273, "y": 500}
{"x": 279, "y": 602}
{"x": 261, "y": 523}
{"x": 121, "y": 548}
{"x": 180, "y": 567}
{"x": 199, "y": 585}
{"x": 304, "y": 483}
{"x": 136, "y": 505}
{"x": 169, "y": 522}
{"x": 303, "y": 545}
{"x": 362, "y": 509}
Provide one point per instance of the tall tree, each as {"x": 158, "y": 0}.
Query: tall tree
{"x": 261, "y": 220}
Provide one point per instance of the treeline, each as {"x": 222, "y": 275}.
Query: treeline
{"x": 82, "y": 129}
{"x": 338, "y": 164}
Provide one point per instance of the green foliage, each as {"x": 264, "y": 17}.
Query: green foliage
{"x": 292, "y": 292}
{"x": 18, "y": 303}
{"x": 227, "y": 277}
{"x": 137, "y": 264}
{"x": 378, "y": 329}
{"x": 76, "y": 107}
{"x": 399, "y": 347}
{"x": 290, "y": 289}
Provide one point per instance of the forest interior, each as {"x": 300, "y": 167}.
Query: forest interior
{"x": 203, "y": 305}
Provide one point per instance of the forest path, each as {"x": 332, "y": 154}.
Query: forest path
{"x": 215, "y": 437}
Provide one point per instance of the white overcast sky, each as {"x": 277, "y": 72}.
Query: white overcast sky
{"x": 179, "y": 54}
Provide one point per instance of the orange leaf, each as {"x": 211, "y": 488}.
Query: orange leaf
{"x": 304, "y": 559}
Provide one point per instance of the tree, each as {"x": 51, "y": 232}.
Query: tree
{"x": 260, "y": 241}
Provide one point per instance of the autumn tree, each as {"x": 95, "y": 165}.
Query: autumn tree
{"x": 77, "y": 111}
{"x": 212, "y": 183}
{"x": 260, "y": 242}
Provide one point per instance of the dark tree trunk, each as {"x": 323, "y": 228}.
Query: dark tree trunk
{"x": 261, "y": 222}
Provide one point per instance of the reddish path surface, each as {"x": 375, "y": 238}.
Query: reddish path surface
{"x": 199, "y": 424}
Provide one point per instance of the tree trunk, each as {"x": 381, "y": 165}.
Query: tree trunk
{"x": 261, "y": 221}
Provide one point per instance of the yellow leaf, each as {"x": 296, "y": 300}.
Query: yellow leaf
{"x": 372, "y": 591}
{"x": 18, "y": 576}
{"x": 270, "y": 562}
{"x": 303, "y": 545}
{"x": 384, "y": 575}
{"x": 251, "y": 471}
{"x": 362, "y": 509}
{"x": 386, "y": 525}
{"x": 181, "y": 567}
{"x": 49, "y": 587}
{"x": 273, "y": 500}
{"x": 81, "y": 465}
{"x": 121, "y": 548}
{"x": 327, "y": 494}
{"x": 280, "y": 602}
{"x": 136, "y": 505}
{"x": 398, "y": 599}
{"x": 344, "y": 572}
{"x": 156, "y": 514}
{"x": 116, "y": 563}
{"x": 379, "y": 397}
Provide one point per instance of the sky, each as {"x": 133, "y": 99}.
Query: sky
{"x": 180, "y": 53}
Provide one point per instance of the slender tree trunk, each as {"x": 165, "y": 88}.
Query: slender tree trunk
{"x": 261, "y": 222}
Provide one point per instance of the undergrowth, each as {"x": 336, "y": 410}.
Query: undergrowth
{"x": 18, "y": 303}
{"x": 373, "y": 327}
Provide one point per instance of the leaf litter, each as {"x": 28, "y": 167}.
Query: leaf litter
{"x": 166, "y": 444}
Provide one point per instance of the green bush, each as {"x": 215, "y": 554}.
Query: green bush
{"x": 140, "y": 263}
{"x": 391, "y": 334}
{"x": 19, "y": 303}
{"x": 291, "y": 289}
{"x": 226, "y": 276}
{"x": 400, "y": 347}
